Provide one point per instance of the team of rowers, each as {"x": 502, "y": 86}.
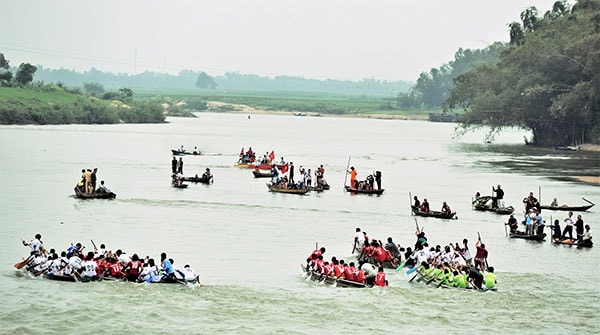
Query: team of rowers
{"x": 101, "y": 264}
{"x": 451, "y": 266}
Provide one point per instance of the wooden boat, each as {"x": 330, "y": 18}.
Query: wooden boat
{"x": 275, "y": 188}
{"x": 363, "y": 191}
{"x": 320, "y": 188}
{"x": 329, "y": 280}
{"x": 433, "y": 283}
{"x": 584, "y": 243}
{"x": 484, "y": 203}
{"x": 95, "y": 195}
{"x": 262, "y": 174}
{"x": 570, "y": 208}
{"x": 434, "y": 214}
{"x": 202, "y": 180}
{"x": 536, "y": 237}
{"x": 180, "y": 153}
{"x": 249, "y": 165}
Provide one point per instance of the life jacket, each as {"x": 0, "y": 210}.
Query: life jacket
{"x": 349, "y": 273}
{"x": 380, "y": 278}
{"x": 135, "y": 267}
{"x": 360, "y": 276}
{"x": 115, "y": 270}
{"x": 338, "y": 270}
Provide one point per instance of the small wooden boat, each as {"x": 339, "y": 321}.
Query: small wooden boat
{"x": 570, "y": 208}
{"x": 262, "y": 174}
{"x": 484, "y": 203}
{"x": 181, "y": 153}
{"x": 536, "y": 237}
{"x": 329, "y": 280}
{"x": 320, "y": 188}
{"x": 434, "y": 214}
{"x": 275, "y": 188}
{"x": 202, "y": 180}
{"x": 585, "y": 243}
{"x": 364, "y": 191}
{"x": 95, "y": 195}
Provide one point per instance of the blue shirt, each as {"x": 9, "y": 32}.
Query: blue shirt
{"x": 167, "y": 267}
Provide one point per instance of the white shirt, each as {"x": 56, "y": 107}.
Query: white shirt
{"x": 35, "y": 244}
{"x": 89, "y": 268}
{"x": 369, "y": 270}
{"x": 360, "y": 237}
{"x": 75, "y": 262}
{"x": 189, "y": 273}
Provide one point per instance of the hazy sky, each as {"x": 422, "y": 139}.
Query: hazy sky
{"x": 337, "y": 39}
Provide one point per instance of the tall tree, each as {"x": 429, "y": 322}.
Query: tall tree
{"x": 5, "y": 74}
{"x": 205, "y": 81}
{"x": 25, "y": 74}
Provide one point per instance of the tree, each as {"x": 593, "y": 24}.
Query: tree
{"x": 529, "y": 18}
{"x": 93, "y": 89}
{"x": 205, "y": 81}
{"x": 126, "y": 94}
{"x": 25, "y": 74}
{"x": 517, "y": 37}
{"x": 5, "y": 74}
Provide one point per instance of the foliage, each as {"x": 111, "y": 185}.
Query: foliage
{"x": 205, "y": 81}
{"x": 549, "y": 82}
{"x": 52, "y": 104}
{"x": 94, "y": 89}
{"x": 432, "y": 88}
{"x": 24, "y": 74}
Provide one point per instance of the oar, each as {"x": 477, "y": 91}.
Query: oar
{"x": 408, "y": 272}
{"x": 505, "y": 232}
{"x": 415, "y": 276}
{"x": 94, "y": 244}
{"x": 410, "y": 203}
{"x": 346, "y": 174}
{"x": 586, "y": 200}
{"x": 24, "y": 262}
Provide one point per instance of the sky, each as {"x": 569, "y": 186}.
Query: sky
{"x": 321, "y": 39}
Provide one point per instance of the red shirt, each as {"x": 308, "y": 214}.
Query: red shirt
{"x": 380, "y": 278}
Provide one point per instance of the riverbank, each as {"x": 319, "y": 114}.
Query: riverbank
{"x": 222, "y": 107}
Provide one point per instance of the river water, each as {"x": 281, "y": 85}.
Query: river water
{"x": 248, "y": 244}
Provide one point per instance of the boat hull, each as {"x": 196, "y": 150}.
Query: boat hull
{"x": 95, "y": 195}
{"x": 357, "y": 191}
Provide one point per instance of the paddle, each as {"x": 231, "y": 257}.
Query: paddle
{"x": 404, "y": 263}
{"x": 346, "y": 176}
{"x": 586, "y": 200}
{"x": 415, "y": 276}
{"x": 94, "y": 244}
{"x": 409, "y": 271}
{"x": 24, "y": 262}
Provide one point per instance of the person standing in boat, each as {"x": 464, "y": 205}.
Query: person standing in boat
{"x": 530, "y": 202}
{"x": 568, "y": 226}
{"x": 465, "y": 252}
{"x": 378, "y": 179}
{"x": 174, "y": 165}
{"x": 579, "y": 228}
{"x": 352, "y": 173}
{"x": 180, "y": 166}
{"x": 499, "y": 196}
{"x": 291, "y": 174}
{"x": 94, "y": 179}
{"x": 480, "y": 255}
